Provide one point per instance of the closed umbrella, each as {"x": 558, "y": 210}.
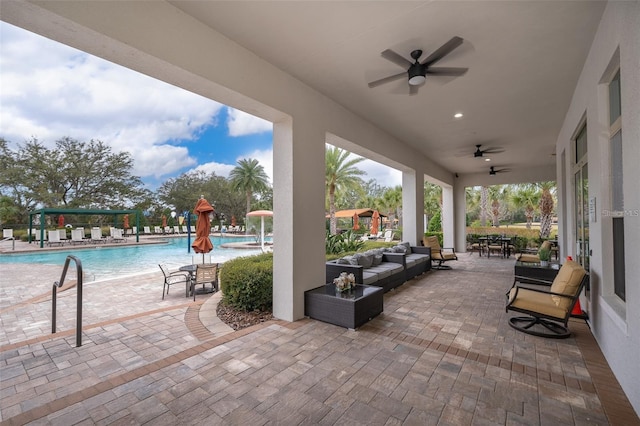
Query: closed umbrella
{"x": 233, "y": 220}
{"x": 375, "y": 222}
{"x": 164, "y": 221}
{"x": 202, "y": 244}
{"x": 125, "y": 222}
{"x": 61, "y": 221}
{"x": 262, "y": 214}
{"x": 356, "y": 219}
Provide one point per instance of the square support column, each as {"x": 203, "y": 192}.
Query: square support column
{"x": 412, "y": 207}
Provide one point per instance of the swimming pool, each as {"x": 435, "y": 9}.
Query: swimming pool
{"x": 99, "y": 263}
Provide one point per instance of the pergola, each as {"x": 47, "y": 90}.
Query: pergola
{"x": 91, "y": 212}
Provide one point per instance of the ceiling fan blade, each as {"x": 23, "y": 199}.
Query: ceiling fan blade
{"x": 413, "y": 90}
{"x": 392, "y": 56}
{"x": 492, "y": 150}
{"x": 452, "y": 71}
{"x": 377, "y": 83}
{"x": 443, "y": 50}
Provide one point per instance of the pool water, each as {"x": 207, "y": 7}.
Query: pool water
{"x": 99, "y": 263}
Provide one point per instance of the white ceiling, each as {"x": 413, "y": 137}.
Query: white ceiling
{"x": 524, "y": 58}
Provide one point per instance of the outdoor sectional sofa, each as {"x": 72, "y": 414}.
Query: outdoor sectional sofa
{"x": 385, "y": 267}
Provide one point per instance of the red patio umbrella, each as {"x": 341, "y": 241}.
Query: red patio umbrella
{"x": 125, "y": 221}
{"x": 233, "y": 220}
{"x": 61, "y": 221}
{"x": 164, "y": 221}
{"x": 202, "y": 244}
{"x": 356, "y": 219}
{"x": 375, "y": 222}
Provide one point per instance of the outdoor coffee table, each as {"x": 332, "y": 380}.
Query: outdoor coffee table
{"x": 348, "y": 309}
{"x": 534, "y": 273}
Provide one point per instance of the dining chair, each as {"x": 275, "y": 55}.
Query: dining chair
{"x": 205, "y": 274}
{"x": 176, "y": 277}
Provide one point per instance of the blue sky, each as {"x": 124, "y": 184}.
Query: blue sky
{"x": 49, "y": 90}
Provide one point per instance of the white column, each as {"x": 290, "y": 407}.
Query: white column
{"x": 448, "y": 212}
{"x": 412, "y": 207}
{"x": 298, "y": 215}
{"x": 460, "y": 225}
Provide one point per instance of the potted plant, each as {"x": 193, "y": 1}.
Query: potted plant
{"x": 545, "y": 255}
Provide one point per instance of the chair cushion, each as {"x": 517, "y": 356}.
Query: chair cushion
{"x": 417, "y": 258}
{"x": 529, "y": 258}
{"x": 567, "y": 282}
{"x": 535, "y": 301}
{"x": 369, "y": 278}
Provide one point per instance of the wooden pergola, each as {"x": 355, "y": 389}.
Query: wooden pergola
{"x": 91, "y": 212}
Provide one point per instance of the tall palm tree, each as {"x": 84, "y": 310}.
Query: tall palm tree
{"x": 484, "y": 200}
{"x": 526, "y": 197}
{"x": 340, "y": 173}
{"x": 546, "y": 208}
{"x": 249, "y": 177}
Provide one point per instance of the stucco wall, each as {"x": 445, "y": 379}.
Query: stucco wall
{"x": 615, "y": 324}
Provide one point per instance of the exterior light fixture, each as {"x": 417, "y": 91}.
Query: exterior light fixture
{"x": 458, "y": 115}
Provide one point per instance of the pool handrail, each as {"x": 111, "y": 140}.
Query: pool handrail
{"x": 54, "y": 291}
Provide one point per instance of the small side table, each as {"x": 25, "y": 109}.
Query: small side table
{"x": 348, "y": 309}
{"x": 534, "y": 273}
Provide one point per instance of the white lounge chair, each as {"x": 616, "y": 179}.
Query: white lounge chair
{"x": 134, "y": 230}
{"x": 96, "y": 235}
{"x": 193, "y": 229}
{"x": 77, "y": 236}
{"x": 388, "y": 236}
{"x": 167, "y": 230}
{"x": 185, "y": 229}
{"x": 147, "y": 230}
{"x": 117, "y": 236}
{"x": 176, "y": 229}
{"x": 54, "y": 238}
{"x": 157, "y": 230}
{"x": 7, "y": 233}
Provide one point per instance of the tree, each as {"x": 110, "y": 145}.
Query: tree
{"x": 249, "y": 177}
{"x": 432, "y": 200}
{"x": 73, "y": 174}
{"x": 392, "y": 202}
{"x": 484, "y": 199}
{"x": 340, "y": 174}
{"x": 546, "y": 208}
{"x": 526, "y": 197}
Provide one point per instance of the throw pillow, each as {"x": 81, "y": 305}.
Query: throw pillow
{"x": 366, "y": 260}
{"x": 343, "y": 261}
{"x": 400, "y": 249}
{"x": 377, "y": 259}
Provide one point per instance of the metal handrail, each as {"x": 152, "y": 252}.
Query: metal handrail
{"x": 54, "y": 292}
{"x": 13, "y": 241}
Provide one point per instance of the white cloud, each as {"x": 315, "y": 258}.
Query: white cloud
{"x": 219, "y": 169}
{"x": 241, "y": 124}
{"x": 49, "y": 91}
{"x": 384, "y": 175}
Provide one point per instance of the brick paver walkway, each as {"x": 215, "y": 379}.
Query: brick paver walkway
{"x": 441, "y": 353}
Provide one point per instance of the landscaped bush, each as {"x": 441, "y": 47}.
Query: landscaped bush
{"x": 437, "y": 234}
{"x": 247, "y": 282}
{"x": 340, "y": 243}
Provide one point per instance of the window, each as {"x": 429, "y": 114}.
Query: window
{"x": 617, "y": 196}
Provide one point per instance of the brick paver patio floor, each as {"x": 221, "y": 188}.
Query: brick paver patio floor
{"x": 441, "y": 353}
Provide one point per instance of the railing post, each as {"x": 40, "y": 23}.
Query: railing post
{"x": 54, "y": 292}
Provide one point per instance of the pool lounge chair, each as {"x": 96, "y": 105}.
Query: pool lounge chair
{"x": 176, "y": 229}
{"x": 157, "y": 230}
{"x": 96, "y": 236}
{"x": 77, "y": 236}
{"x": 117, "y": 237}
{"x": 147, "y": 230}
{"x": 167, "y": 230}
{"x": 54, "y": 238}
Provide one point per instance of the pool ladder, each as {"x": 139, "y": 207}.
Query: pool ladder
{"x": 54, "y": 292}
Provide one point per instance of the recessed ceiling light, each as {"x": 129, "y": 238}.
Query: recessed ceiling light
{"x": 487, "y": 159}
{"x": 458, "y": 115}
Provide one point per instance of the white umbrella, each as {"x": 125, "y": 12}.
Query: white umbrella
{"x": 262, "y": 214}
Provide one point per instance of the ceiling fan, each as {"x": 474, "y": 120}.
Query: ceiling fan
{"x": 480, "y": 152}
{"x": 493, "y": 171}
{"x": 417, "y": 71}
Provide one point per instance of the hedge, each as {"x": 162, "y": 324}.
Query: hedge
{"x": 247, "y": 282}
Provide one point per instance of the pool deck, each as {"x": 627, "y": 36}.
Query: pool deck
{"x": 441, "y": 353}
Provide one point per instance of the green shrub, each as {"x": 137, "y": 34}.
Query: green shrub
{"x": 435, "y": 223}
{"x": 247, "y": 282}
{"x": 340, "y": 243}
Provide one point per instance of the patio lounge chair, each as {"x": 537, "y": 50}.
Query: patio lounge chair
{"x": 116, "y": 236}
{"x": 54, "y": 238}
{"x": 147, "y": 230}
{"x": 548, "y": 309}
{"x": 388, "y": 236}
{"x": 205, "y": 274}
{"x": 171, "y": 278}
{"x": 77, "y": 236}
{"x": 439, "y": 254}
{"x": 96, "y": 236}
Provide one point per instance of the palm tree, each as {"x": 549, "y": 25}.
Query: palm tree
{"x": 546, "y": 208}
{"x": 249, "y": 177}
{"x": 484, "y": 199}
{"x": 526, "y": 197}
{"x": 392, "y": 200}
{"x": 340, "y": 173}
